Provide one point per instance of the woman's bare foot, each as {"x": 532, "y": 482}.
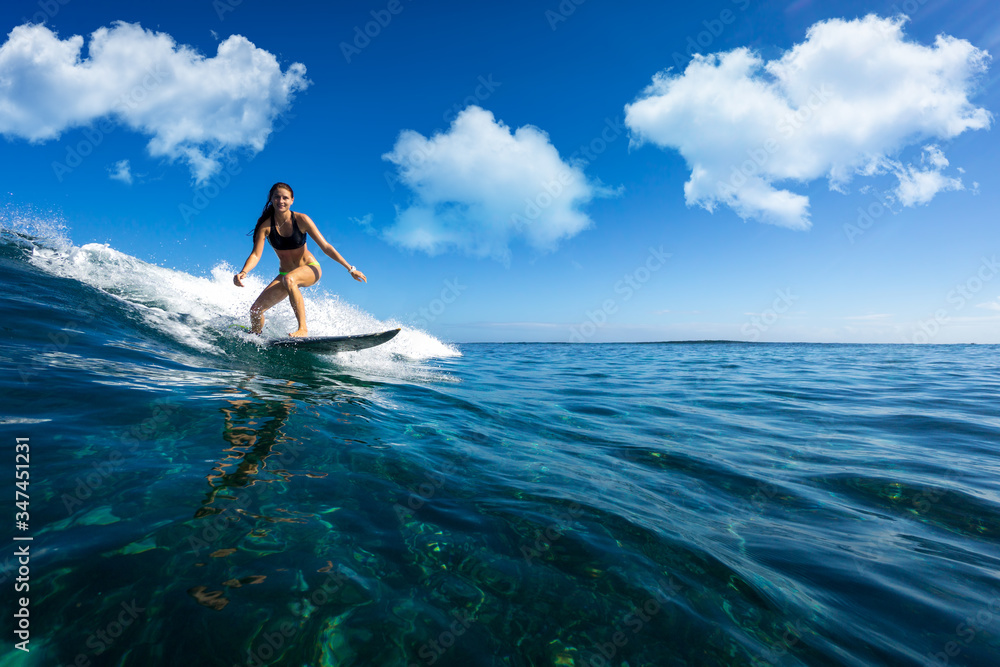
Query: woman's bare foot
{"x": 301, "y": 333}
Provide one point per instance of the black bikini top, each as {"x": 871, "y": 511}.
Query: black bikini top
{"x": 279, "y": 242}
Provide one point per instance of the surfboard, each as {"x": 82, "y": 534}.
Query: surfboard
{"x": 333, "y": 344}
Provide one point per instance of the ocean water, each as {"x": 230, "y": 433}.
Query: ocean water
{"x": 196, "y": 499}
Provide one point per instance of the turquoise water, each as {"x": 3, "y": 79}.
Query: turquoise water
{"x": 198, "y": 500}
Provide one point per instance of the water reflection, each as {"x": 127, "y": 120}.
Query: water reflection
{"x": 251, "y": 429}
{"x": 258, "y": 451}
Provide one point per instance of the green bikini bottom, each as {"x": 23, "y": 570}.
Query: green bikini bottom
{"x": 285, "y": 273}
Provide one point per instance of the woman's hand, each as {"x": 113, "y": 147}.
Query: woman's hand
{"x": 357, "y": 275}
{"x": 238, "y": 278}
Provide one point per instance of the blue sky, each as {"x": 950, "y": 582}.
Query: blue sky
{"x": 539, "y": 171}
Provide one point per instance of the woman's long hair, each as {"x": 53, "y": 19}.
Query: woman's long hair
{"x": 267, "y": 212}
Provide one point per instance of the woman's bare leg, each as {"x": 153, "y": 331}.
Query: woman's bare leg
{"x": 271, "y": 296}
{"x": 304, "y": 276}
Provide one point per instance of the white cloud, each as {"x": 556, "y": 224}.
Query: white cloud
{"x": 121, "y": 171}
{"x": 841, "y": 104}
{"x": 873, "y": 316}
{"x": 365, "y": 222}
{"x": 194, "y": 108}
{"x": 478, "y": 186}
{"x": 919, "y": 186}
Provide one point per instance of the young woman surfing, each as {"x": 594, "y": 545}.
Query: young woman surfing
{"x": 287, "y": 231}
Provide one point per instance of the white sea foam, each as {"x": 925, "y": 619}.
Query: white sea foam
{"x": 196, "y": 311}
{"x": 28, "y": 225}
